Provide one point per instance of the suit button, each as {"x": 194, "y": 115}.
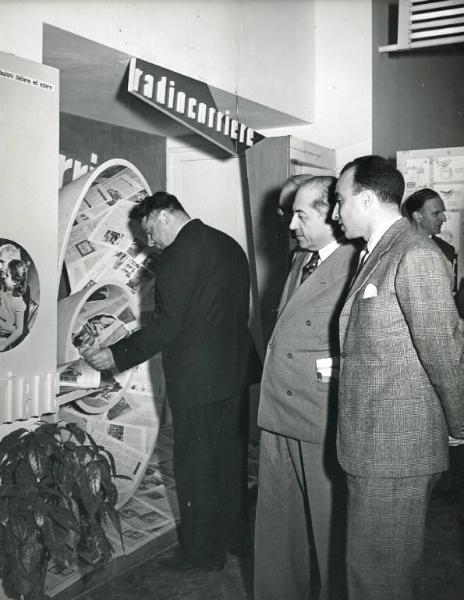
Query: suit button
{"x": 289, "y": 392}
{"x": 289, "y": 355}
{"x": 343, "y": 354}
{"x": 308, "y": 323}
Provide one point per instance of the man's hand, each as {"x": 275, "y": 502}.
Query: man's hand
{"x": 101, "y": 360}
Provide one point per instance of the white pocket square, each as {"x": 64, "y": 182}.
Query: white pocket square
{"x": 370, "y": 291}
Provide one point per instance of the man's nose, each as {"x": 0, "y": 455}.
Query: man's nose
{"x": 443, "y": 218}
{"x": 293, "y": 223}
{"x": 335, "y": 213}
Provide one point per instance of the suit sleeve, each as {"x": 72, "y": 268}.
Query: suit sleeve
{"x": 176, "y": 279}
{"x": 423, "y": 286}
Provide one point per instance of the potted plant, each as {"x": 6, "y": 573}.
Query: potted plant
{"x": 56, "y": 492}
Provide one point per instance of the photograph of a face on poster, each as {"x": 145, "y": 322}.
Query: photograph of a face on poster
{"x": 19, "y": 294}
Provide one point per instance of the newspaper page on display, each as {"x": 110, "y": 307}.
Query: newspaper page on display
{"x": 102, "y": 242}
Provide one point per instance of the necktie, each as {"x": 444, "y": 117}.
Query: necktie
{"x": 362, "y": 259}
{"x": 310, "y": 266}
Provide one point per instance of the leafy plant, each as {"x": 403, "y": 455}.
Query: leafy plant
{"x": 56, "y": 492}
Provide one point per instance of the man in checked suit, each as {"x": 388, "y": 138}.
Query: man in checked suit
{"x": 401, "y": 383}
{"x": 299, "y": 477}
{"x": 209, "y": 359}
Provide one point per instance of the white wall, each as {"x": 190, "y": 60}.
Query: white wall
{"x": 257, "y": 48}
{"x": 343, "y": 80}
{"x": 267, "y": 50}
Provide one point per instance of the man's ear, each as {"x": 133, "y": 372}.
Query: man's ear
{"x": 417, "y": 216}
{"x": 368, "y": 198}
{"x": 164, "y": 216}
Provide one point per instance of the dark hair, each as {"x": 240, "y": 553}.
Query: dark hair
{"x": 326, "y": 199}
{"x": 158, "y": 201}
{"x": 18, "y": 272}
{"x": 417, "y": 200}
{"x": 377, "y": 174}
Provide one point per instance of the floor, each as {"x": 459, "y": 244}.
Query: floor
{"x": 444, "y": 579}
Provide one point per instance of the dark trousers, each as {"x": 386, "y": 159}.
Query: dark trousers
{"x": 209, "y": 470}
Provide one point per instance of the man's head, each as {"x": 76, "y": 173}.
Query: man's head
{"x": 312, "y": 207}
{"x": 288, "y": 193}
{"x": 8, "y": 252}
{"x": 426, "y": 211}
{"x": 161, "y": 217}
{"x": 368, "y": 190}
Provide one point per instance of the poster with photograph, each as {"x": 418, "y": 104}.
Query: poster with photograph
{"x": 19, "y": 294}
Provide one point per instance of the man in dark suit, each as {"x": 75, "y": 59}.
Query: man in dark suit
{"x": 426, "y": 211}
{"x": 200, "y": 325}
{"x": 401, "y": 383}
{"x": 300, "y": 481}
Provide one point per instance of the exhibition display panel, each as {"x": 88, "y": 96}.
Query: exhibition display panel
{"x": 29, "y": 120}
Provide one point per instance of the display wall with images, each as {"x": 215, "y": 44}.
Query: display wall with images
{"x": 106, "y": 292}
{"x": 29, "y": 95}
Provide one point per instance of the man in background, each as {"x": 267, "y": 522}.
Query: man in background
{"x": 401, "y": 383}
{"x": 426, "y": 211}
{"x": 299, "y": 477}
{"x": 200, "y": 325}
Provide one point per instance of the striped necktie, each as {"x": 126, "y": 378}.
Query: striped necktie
{"x": 362, "y": 260}
{"x": 310, "y": 266}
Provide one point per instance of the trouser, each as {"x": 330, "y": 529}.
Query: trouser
{"x": 299, "y": 521}
{"x": 209, "y": 471}
{"x": 386, "y": 534}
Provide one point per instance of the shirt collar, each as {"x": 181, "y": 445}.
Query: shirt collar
{"x": 326, "y": 251}
{"x": 378, "y": 233}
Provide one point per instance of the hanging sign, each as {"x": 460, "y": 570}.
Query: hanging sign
{"x": 192, "y": 103}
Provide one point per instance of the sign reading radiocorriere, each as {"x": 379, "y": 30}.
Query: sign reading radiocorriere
{"x": 193, "y": 103}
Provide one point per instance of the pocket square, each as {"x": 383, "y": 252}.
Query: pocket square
{"x": 370, "y": 291}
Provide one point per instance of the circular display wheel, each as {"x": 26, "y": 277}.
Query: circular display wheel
{"x": 106, "y": 272}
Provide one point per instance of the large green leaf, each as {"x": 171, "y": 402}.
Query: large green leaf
{"x": 110, "y": 457}
{"x": 77, "y": 431}
{"x": 11, "y": 440}
{"x": 64, "y": 516}
{"x": 36, "y": 457}
{"x": 93, "y": 477}
{"x": 114, "y": 518}
{"x": 19, "y": 526}
{"x": 54, "y": 537}
{"x": 25, "y": 477}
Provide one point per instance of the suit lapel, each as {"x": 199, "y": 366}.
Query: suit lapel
{"x": 383, "y": 246}
{"x": 327, "y": 273}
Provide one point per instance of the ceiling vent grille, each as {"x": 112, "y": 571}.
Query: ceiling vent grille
{"x": 426, "y": 23}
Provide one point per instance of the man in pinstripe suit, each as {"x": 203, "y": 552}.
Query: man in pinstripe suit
{"x": 301, "y": 493}
{"x": 401, "y": 383}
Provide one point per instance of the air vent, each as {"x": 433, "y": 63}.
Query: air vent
{"x": 426, "y": 23}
